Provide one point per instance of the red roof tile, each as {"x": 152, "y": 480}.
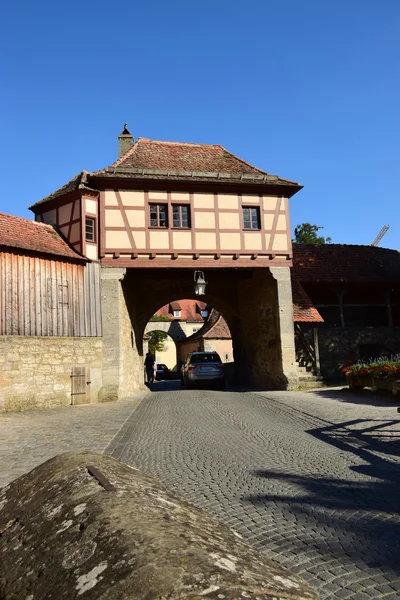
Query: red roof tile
{"x": 22, "y": 234}
{"x": 344, "y": 262}
{"x": 219, "y": 330}
{"x": 155, "y": 154}
{"x": 159, "y": 160}
{"x": 214, "y": 328}
{"x": 210, "y": 159}
{"x": 303, "y": 309}
{"x": 79, "y": 182}
{"x": 190, "y": 310}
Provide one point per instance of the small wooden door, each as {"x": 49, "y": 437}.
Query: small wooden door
{"x": 80, "y": 385}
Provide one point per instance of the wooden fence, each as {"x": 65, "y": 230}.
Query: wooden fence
{"x": 44, "y": 297}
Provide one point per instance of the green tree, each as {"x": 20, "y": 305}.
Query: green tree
{"x": 308, "y": 234}
{"x": 160, "y": 318}
{"x": 156, "y": 341}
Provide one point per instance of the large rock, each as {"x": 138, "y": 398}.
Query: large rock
{"x": 86, "y": 526}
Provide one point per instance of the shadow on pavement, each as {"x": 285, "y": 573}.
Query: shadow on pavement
{"x": 165, "y": 386}
{"x": 365, "y": 397}
{"x": 366, "y": 512}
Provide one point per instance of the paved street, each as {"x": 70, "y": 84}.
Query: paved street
{"x": 311, "y": 478}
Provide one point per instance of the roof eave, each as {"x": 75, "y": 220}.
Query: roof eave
{"x": 27, "y": 251}
{"x": 104, "y": 178}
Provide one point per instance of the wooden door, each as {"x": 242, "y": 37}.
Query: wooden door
{"x": 80, "y": 385}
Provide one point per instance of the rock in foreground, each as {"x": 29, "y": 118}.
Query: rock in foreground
{"x": 87, "y": 526}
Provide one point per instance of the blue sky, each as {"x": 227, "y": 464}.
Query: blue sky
{"x": 307, "y": 90}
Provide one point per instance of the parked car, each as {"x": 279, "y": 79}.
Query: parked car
{"x": 203, "y": 368}
{"x": 162, "y": 372}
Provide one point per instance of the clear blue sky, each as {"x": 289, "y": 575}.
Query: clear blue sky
{"x": 305, "y": 89}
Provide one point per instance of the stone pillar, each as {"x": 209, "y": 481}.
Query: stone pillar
{"x": 112, "y": 315}
{"x": 284, "y": 306}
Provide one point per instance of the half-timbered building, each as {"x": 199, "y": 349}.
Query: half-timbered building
{"x": 165, "y": 210}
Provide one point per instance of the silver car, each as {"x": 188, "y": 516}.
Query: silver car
{"x": 203, "y": 368}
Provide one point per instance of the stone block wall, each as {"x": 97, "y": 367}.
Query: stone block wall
{"x": 35, "y": 372}
{"x": 132, "y": 364}
{"x": 266, "y": 352}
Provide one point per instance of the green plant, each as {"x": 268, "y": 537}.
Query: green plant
{"x": 376, "y": 369}
{"x": 306, "y": 233}
{"x": 160, "y": 318}
{"x": 156, "y": 341}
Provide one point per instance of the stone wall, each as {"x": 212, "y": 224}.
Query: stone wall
{"x": 35, "y": 372}
{"x": 342, "y": 346}
{"x": 266, "y": 350}
{"x": 132, "y": 364}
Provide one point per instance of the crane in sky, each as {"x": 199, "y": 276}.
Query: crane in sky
{"x": 380, "y": 235}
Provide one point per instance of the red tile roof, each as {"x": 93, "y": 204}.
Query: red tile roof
{"x": 344, "y": 262}
{"x": 218, "y": 329}
{"x": 172, "y": 159}
{"x": 79, "y": 182}
{"x": 22, "y": 234}
{"x": 155, "y": 154}
{"x": 214, "y": 328}
{"x": 190, "y": 310}
{"x": 160, "y": 160}
{"x": 303, "y": 309}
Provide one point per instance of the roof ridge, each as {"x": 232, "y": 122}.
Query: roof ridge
{"x": 330, "y": 245}
{"x": 147, "y": 140}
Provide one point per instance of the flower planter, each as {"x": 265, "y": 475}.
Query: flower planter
{"x": 381, "y": 375}
{"x": 391, "y": 384}
{"x": 360, "y": 383}
{"x": 383, "y": 385}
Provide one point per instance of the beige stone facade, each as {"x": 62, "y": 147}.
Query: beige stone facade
{"x": 36, "y": 371}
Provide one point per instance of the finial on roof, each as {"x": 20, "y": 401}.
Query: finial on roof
{"x": 125, "y": 140}
{"x": 126, "y": 130}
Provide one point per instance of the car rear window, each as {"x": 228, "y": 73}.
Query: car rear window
{"x": 205, "y": 358}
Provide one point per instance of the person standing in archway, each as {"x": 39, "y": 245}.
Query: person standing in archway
{"x": 149, "y": 366}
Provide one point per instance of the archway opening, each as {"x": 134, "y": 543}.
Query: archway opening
{"x": 246, "y": 297}
{"x": 183, "y": 326}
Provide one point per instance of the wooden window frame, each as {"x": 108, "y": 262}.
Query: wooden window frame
{"x": 251, "y": 208}
{"x": 93, "y": 220}
{"x": 160, "y": 207}
{"x": 180, "y": 216}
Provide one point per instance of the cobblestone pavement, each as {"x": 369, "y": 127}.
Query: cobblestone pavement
{"x": 311, "y": 478}
{"x": 30, "y": 438}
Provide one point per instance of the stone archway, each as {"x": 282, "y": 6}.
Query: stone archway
{"x": 255, "y": 302}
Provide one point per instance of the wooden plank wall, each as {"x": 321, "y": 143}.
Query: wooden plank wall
{"x": 42, "y": 297}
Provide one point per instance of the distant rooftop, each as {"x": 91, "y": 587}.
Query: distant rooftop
{"x": 345, "y": 262}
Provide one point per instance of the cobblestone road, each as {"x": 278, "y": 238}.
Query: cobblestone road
{"x": 27, "y": 439}
{"x": 312, "y": 481}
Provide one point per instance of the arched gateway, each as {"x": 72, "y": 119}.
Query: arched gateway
{"x": 164, "y": 210}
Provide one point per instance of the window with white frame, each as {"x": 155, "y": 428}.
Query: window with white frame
{"x": 177, "y": 313}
